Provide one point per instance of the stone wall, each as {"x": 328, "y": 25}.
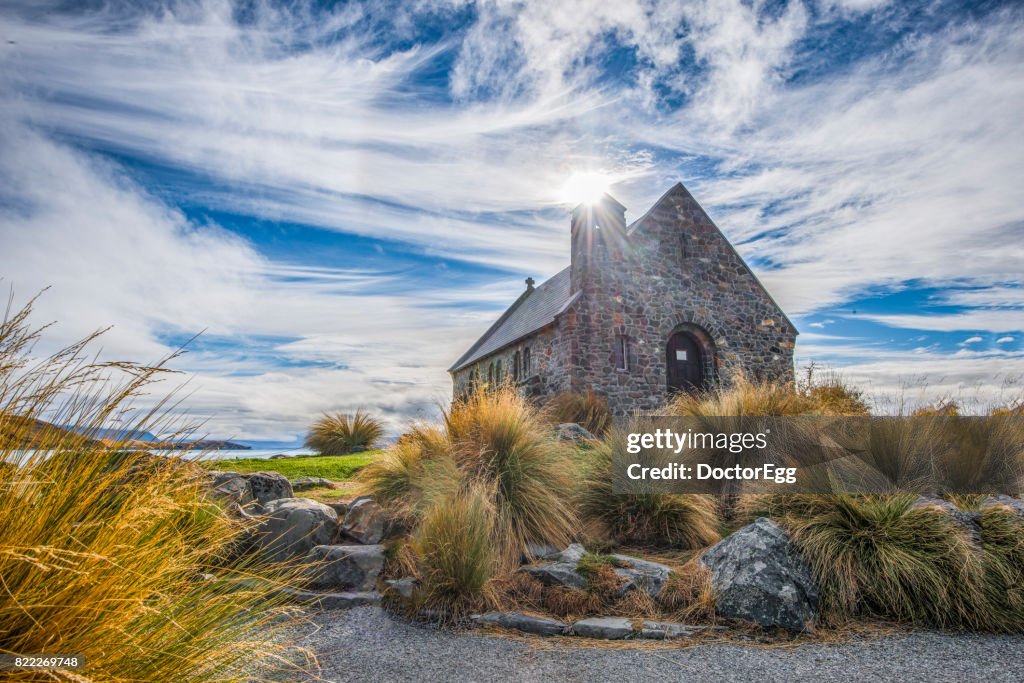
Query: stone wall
{"x": 674, "y": 270}
{"x": 549, "y": 364}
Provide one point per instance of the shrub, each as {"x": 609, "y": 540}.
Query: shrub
{"x": 341, "y": 434}
{"x": 879, "y": 556}
{"x": 499, "y": 441}
{"x": 688, "y": 594}
{"x": 742, "y": 397}
{"x": 944, "y": 408}
{"x": 659, "y": 519}
{"x": 831, "y": 396}
{"x": 412, "y": 472}
{"x": 100, "y": 548}
{"x": 453, "y": 553}
{"x": 588, "y": 410}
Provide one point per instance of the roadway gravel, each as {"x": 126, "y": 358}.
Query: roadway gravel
{"x": 366, "y": 644}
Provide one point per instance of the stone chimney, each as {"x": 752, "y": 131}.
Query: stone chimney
{"x": 598, "y": 235}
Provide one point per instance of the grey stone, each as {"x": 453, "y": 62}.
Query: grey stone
{"x": 669, "y": 630}
{"x": 307, "y": 483}
{"x": 1003, "y": 500}
{"x": 231, "y": 487}
{"x": 268, "y": 486}
{"x": 291, "y": 527}
{"x": 606, "y": 628}
{"x": 758, "y": 575}
{"x": 341, "y": 507}
{"x": 643, "y": 574}
{"x": 570, "y": 431}
{"x": 352, "y": 567}
{"x": 540, "y": 626}
{"x": 280, "y": 456}
{"x": 404, "y": 588}
{"x": 556, "y": 574}
{"x": 539, "y": 551}
{"x": 332, "y": 600}
{"x": 366, "y": 522}
{"x": 572, "y": 554}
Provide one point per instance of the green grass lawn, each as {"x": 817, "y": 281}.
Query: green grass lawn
{"x": 333, "y": 467}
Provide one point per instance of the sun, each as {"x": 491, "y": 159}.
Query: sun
{"x": 585, "y": 187}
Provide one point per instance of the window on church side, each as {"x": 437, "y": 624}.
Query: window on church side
{"x": 621, "y": 352}
{"x": 526, "y": 362}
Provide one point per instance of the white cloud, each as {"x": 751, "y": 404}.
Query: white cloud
{"x": 1004, "y": 340}
{"x": 971, "y": 340}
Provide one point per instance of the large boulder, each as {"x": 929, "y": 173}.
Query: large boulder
{"x": 366, "y": 522}
{"x": 291, "y": 527}
{"x": 268, "y": 486}
{"x": 570, "y": 431}
{"x": 350, "y": 567}
{"x": 231, "y": 488}
{"x": 758, "y": 575}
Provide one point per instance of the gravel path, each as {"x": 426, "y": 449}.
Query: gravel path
{"x": 365, "y": 644}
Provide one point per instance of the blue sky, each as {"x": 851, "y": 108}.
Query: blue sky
{"x": 342, "y": 197}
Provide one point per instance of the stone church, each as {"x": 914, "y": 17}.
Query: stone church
{"x": 662, "y": 305}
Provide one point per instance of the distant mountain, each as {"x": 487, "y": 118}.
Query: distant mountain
{"x": 29, "y": 432}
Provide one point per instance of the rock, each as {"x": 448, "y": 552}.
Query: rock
{"x": 643, "y": 574}
{"x": 665, "y": 630}
{"x": 758, "y": 575}
{"x": 231, "y": 487}
{"x": 366, "y": 522}
{"x": 540, "y": 626}
{"x": 607, "y": 628}
{"x": 556, "y": 574}
{"x": 352, "y": 567}
{"x": 570, "y": 431}
{"x": 636, "y": 572}
{"x": 279, "y": 456}
{"x": 306, "y": 483}
{"x": 268, "y": 486}
{"x": 291, "y": 527}
{"x": 969, "y": 521}
{"x": 342, "y": 600}
{"x": 1003, "y": 500}
{"x": 340, "y": 507}
{"x": 404, "y": 588}
{"x": 539, "y": 551}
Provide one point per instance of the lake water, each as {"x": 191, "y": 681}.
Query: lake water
{"x": 254, "y": 453}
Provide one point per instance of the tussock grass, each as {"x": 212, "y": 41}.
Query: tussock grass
{"x": 494, "y": 441}
{"x": 878, "y": 556}
{"x": 589, "y": 410}
{"x": 341, "y": 434}
{"x": 688, "y": 594}
{"x": 453, "y": 554}
{"x": 646, "y": 518}
{"x": 102, "y": 550}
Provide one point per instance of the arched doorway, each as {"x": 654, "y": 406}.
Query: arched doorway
{"x": 686, "y": 367}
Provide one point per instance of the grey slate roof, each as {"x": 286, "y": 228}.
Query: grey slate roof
{"x": 530, "y": 312}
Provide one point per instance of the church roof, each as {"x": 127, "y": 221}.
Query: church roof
{"x": 533, "y": 310}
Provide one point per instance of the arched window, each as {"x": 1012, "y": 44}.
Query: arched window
{"x": 497, "y": 371}
{"x": 515, "y": 366}
{"x": 490, "y": 373}
{"x": 526, "y": 362}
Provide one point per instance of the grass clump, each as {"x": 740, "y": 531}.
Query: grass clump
{"x": 453, "y": 554}
{"x": 589, "y": 410}
{"x": 879, "y": 556}
{"x": 642, "y": 517}
{"x": 101, "y": 548}
{"x": 341, "y": 434}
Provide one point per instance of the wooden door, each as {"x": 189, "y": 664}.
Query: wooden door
{"x": 685, "y": 364}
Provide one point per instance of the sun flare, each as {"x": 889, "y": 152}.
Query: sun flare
{"x": 585, "y": 187}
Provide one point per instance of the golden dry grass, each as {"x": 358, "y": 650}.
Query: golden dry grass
{"x": 103, "y": 551}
